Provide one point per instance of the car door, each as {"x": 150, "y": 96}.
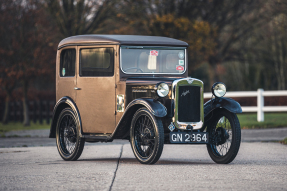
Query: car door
{"x": 66, "y": 73}
{"x": 95, "y": 97}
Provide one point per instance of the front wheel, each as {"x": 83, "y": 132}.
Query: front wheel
{"x": 224, "y": 136}
{"x": 146, "y": 137}
{"x": 69, "y": 143}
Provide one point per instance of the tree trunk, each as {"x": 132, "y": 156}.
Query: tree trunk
{"x": 26, "y": 121}
{"x": 5, "y": 118}
{"x": 282, "y": 63}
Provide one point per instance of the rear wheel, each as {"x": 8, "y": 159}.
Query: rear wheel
{"x": 147, "y": 137}
{"x": 70, "y": 145}
{"x": 224, "y": 136}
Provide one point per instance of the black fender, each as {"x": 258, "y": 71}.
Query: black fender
{"x": 223, "y": 102}
{"x": 155, "y": 107}
{"x": 123, "y": 127}
{"x": 63, "y": 103}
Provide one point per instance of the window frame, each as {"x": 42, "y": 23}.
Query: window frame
{"x": 75, "y": 64}
{"x": 97, "y": 47}
{"x": 154, "y": 47}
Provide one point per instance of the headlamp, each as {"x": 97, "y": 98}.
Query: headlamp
{"x": 218, "y": 89}
{"x": 162, "y": 90}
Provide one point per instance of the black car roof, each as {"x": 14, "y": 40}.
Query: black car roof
{"x": 121, "y": 40}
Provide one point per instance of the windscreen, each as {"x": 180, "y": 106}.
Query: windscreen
{"x": 153, "y": 60}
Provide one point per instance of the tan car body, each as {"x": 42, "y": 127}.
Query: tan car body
{"x": 99, "y": 99}
{"x": 95, "y": 97}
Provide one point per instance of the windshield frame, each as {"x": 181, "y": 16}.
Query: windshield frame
{"x": 154, "y": 47}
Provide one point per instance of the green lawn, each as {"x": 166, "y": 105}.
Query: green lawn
{"x": 19, "y": 126}
{"x": 249, "y": 120}
{"x": 284, "y": 141}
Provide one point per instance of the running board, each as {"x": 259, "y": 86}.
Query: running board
{"x": 97, "y": 138}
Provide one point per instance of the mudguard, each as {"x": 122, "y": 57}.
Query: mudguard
{"x": 60, "y": 105}
{"x": 223, "y": 102}
{"x": 123, "y": 127}
{"x": 155, "y": 107}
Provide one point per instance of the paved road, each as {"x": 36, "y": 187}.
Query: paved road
{"x": 30, "y": 138}
{"x": 34, "y": 164}
{"x": 258, "y": 166}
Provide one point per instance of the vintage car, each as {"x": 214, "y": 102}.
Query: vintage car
{"x": 137, "y": 88}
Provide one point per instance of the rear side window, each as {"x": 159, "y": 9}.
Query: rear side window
{"x": 67, "y": 64}
{"x": 97, "y": 62}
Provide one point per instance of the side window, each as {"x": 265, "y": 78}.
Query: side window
{"x": 97, "y": 62}
{"x": 67, "y": 63}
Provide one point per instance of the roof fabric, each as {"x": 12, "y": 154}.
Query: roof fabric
{"x": 121, "y": 39}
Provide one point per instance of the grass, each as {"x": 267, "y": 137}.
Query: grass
{"x": 17, "y": 126}
{"x": 271, "y": 120}
{"x": 284, "y": 141}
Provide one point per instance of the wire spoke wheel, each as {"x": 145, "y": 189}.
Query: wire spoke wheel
{"x": 222, "y": 137}
{"x": 68, "y": 134}
{"x": 69, "y": 144}
{"x": 225, "y": 136}
{"x": 146, "y": 137}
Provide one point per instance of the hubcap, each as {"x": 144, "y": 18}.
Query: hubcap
{"x": 146, "y": 136}
{"x": 70, "y": 134}
{"x": 221, "y": 136}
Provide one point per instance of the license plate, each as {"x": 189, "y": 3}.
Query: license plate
{"x": 185, "y": 137}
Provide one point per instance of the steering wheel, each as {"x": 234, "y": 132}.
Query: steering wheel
{"x": 137, "y": 69}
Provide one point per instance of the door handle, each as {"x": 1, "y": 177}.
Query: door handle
{"x": 75, "y": 88}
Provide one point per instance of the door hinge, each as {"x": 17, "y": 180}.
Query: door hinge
{"x": 115, "y": 112}
{"x": 116, "y": 86}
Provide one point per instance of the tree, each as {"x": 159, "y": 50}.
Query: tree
{"x": 230, "y": 23}
{"x": 8, "y": 84}
{"x": 235, "y": 21}
{"x": 170, "y": 19}
{"x": 279, "y": 49}
{"x": 28, "y": 50}
{"x": 260, "y": 61}
{"x": 198, "y": 34}
{"x": 269, "y": 54}
{"x": 74, "y": 17}
{"x": 8, "y": 68}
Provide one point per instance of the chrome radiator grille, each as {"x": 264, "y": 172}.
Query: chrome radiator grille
{"x": 189, "y": 104}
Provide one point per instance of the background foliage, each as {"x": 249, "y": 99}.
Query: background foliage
{"x": 240, "y": 42}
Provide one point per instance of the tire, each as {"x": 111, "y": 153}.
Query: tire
{"x": 70, "y": 145}
{"x": 224, "y": 136}
{"x": 146, "y": 136}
